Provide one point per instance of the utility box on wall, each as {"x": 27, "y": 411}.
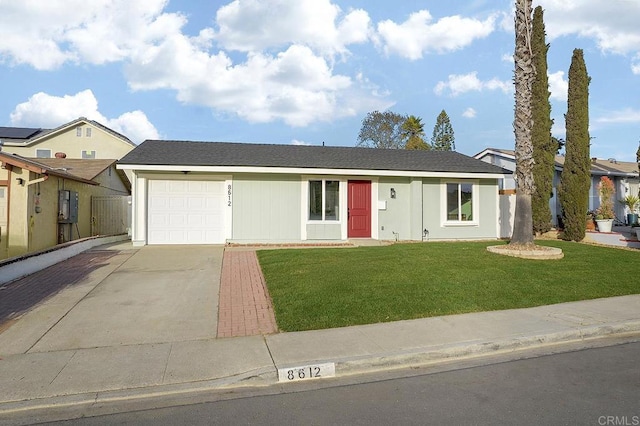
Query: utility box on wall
{"x": 67, "y": 206}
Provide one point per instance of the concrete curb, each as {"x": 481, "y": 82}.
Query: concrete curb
{"x": 345, "y": 366}
{"x": 257, "y": 377}
{"x": 443, "y": 353}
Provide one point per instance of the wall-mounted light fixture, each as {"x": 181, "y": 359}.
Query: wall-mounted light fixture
{"x": 393, "y": 193}
{"x": 20, "y": 181}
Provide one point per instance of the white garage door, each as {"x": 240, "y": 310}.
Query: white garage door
{"x": 186, "y": 212}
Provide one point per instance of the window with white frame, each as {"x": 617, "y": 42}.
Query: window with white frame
{"x": 79, "y": 132}
{"x": 88, "y": 132}
{"x": 43, "y": 153}
{"x": 324, "y": 200}
{"x": 89, "y": 155}
{"x": 460, "y": 202}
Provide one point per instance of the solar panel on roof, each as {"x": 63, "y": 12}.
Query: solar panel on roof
{"x": 17, "y": 132}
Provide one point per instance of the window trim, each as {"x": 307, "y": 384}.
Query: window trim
{"x": 82, "y": 154}
{"x": 475, "y": 199}
{"x": 87, "y": 132}
{"x": 79, "y": 131}
{"x": 43, "y": 149}
{"x": 323, "y": 180}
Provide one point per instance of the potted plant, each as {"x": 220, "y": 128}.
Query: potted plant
{"x": 590, "y": 225}
{"x": 604, "y": 213}
{"x": 631, "y": 202}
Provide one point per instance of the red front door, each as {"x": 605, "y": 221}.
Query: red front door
{"x": 359, "y": 209}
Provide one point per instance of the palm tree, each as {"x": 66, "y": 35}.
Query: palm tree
{"x": 524, "y": 75}
{"x": 413, "y": 131}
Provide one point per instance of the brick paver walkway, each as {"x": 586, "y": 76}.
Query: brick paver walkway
{"x": 22, "y": 295}
{"x": 245, "y": 307}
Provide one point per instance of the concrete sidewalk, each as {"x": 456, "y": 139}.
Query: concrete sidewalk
{"x": 45, "y": 380}
{"x": 108, "y": 337}
{"x": 621, "y": 236}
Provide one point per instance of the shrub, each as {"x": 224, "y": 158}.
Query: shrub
{"x": 606, "y": 191}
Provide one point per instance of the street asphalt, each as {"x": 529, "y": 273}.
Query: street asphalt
{"x": 142, "y": 322}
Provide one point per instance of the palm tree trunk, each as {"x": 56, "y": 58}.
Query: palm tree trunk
{"x": 523, "y": 77}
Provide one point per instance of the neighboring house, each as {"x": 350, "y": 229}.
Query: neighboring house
{"x": 623, "y": 174}
{"x": 44, "y": 202}
{"x": 80, "y": 138}
{"x": 215, "y": 193}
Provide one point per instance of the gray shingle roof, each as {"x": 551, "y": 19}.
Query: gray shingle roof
{"x": 599, "y": 166}
{"x": 186, "y": 153}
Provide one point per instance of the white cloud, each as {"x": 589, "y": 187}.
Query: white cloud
{"x": 295, "y": 86}
{"x": 299, "y": 142}
{"x": 635, "y": 66}
{"x": 47, "y": 111}
{"x": 469, "y": 113}
{"x": 287, "y": 73}
{"x": 617, "y": 117}
{"x": 419, "y": 34}
{"x": 135, "y": 125}
{"x": 462, "y": 83}
{"x": 256, "y": 25}
{"x": 48, "y": 34}
{"x": 613, "y": 24}
{"x": 558, "y": 86}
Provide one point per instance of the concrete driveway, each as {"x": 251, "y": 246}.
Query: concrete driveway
{"x": 154, "y": 294}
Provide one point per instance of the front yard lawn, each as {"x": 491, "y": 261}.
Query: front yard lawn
{"x": 336, "y": 287}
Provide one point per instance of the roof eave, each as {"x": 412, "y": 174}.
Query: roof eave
{"x": 75, "y": 122}
{"x": 26, "y": 164}
{"x": 306, "y": 171}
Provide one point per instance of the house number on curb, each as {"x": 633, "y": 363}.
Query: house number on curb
{"x": 306, "y": 372}
{"x": 229, "y": 195}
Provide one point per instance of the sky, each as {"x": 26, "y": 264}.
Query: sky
{"x": 308, "y": 71}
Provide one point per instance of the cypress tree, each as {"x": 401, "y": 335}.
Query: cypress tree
{"x": 576, "y": 174}
{"x": 544, "y": 147}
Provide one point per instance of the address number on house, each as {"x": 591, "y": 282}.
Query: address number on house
{"x": 307, "y": 372}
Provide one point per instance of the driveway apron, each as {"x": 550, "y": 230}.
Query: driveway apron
{"x": 159, "y": 294}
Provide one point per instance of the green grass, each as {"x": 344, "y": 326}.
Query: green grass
{"x": 326, "y": 288}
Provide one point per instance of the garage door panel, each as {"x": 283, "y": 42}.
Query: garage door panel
{"x": 158, "y": 202}
{"x": 205, "y": 204}
{"x": 177, "y": 220}
{"x": 213, "y": 221}
{"x": 158, "y": 235}
{"x": 214, "y": 203}
{"x": 186, "y": 212}
{"x": 176, "y": 186}
{"x": 158, "y": 220}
